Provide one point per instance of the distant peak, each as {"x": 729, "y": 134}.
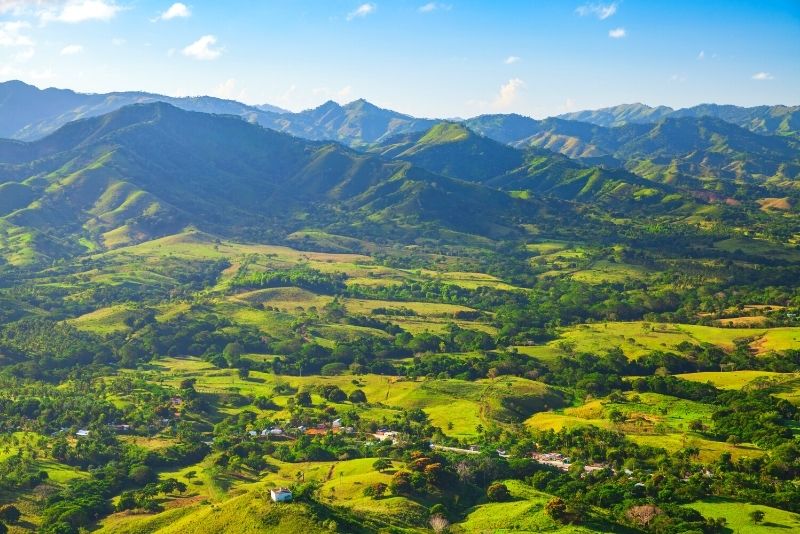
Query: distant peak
{"x": 360, "y": 103}
{"x": 18, "y": 84}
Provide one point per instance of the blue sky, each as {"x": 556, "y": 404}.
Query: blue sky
{"x": 446, "y": 59}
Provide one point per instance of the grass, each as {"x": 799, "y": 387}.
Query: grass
{"x": 456, "y": 406}
{"x": 607, "y": 272}
{"x": 108, "y": 320}
{"x": 638, "y": 338}
{"x": 729, "y": 379}
{"x": 525, "y": 513}
{"x": 651, "y": 419}
{"x": 738, "y": 520}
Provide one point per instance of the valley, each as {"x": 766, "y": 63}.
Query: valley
{"x": 393, "y": 319}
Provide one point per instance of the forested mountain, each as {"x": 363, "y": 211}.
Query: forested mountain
{"x": 454, "y": 150}
{"x": 703, "y": 152}
{"x": 150, "y": 169}
{"x": 28, "y": 113}
{"x": 356, "y": 124}
{"x": 781, "y": 120}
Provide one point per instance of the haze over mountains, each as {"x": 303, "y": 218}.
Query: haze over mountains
{"x": 28, "y": 113}
{"x": 80, "y": 172}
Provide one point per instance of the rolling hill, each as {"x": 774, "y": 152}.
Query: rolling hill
{"x": 150, "y": 169}
{"x": 781, "y": 120}
{"x": 453, "y": 150}
{"x": 29, "y": 113}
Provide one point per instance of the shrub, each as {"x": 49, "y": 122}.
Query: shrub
{"x": 498, "y": 492}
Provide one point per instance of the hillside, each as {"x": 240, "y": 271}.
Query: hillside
{"x": 357, "y": 123}
{"x": 29, "y": 113}
{"x": 150, "y": 169}
{"x": 780, "y": 120}
{"x": 456, "y": 151}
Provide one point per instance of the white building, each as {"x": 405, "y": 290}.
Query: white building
{"x": 280, "y": 494}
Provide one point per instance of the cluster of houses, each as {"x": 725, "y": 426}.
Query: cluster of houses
{"x": 334, "y": 427}
{"x": 562, "y": 462}
{"x": 385, "y": 434}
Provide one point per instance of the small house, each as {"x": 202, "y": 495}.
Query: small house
{"x": 280, "y": 494}
{"x": 82, "y": 433}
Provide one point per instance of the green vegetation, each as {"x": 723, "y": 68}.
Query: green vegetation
{"x": 442, "y": 331}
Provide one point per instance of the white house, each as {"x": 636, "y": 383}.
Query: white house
{"x": 82, "y": 433}
{"x": 280, "y": 494}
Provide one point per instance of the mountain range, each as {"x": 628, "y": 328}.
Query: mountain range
{"x": 85, "y": 172}
{"x": 782, "y": 120}
{"x": 147, "y": 170}
{"x": 28, "y": 113}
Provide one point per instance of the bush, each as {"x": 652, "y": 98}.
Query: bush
{"x": 357, "y": 397}
{"x": 498, "y": 492}
{"x": 333, "y": 369}
{"x": 9, "y": 513}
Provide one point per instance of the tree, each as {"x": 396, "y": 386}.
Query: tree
{"x": 757, "y": 516}
{"x": 616, "y": 416}
{"x": 244, "y": 373}
{"x": 9, "y": 513}
{"x": 376, "y": 491}
{"x": 303, "y": 398}
{"x": 141, "y": 474}
{"x": 382, "y": 464}
{"x": 3, "y": 528}
{"x": 556, "y": 508}
{"x": 401, "y": 483}
{"x": 127, "y": 501}
{"x": 188, "y": 383}
{"x": 233, "y": 353}
{"x": 357, "y": 397}
{"x": 439, "y": 523}
{"x": 498, "y": 492}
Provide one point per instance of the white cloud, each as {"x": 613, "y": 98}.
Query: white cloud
{"x": 345, "y": 92}
{"x": 434, "y": 6}
{"x": 701, "y": 56}
{"x": 678, "y": 78}
{"x": 601, "y": 11}
{"x": 203, "y": 49}
{"x": 45, "y": 74}
{"x": 75, "y": 11}
{"x": 17, "y": 7}
{"x": 118, "y": 41}
{"x": 71, "y": 50}
{"x": 510, "y": 60}
{"x": 175, "y": 11}
{"x": 25, "y": 55}
{"x": 763, "y": 76}
{"x": 11, "y": 36}
{"x": 362, "y": 11}
{"x": 230, "y": 90}
{"x": 569, "y": 105}
{"x": 617, "y": 33}
{"x": 509, "y": 92}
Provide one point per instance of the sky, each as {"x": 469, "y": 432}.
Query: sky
{"x": 454, "y": 58}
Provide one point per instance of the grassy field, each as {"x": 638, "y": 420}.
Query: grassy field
{"x": 650, "y": 419}
{"x": 525, "y": 513}
{"x": 247, "y": 505}
{"x": 738, "y": 521}
{"x": 732, "y": 379}
{"x": 639, "y": 338}
{"x": 456, "y": 406}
